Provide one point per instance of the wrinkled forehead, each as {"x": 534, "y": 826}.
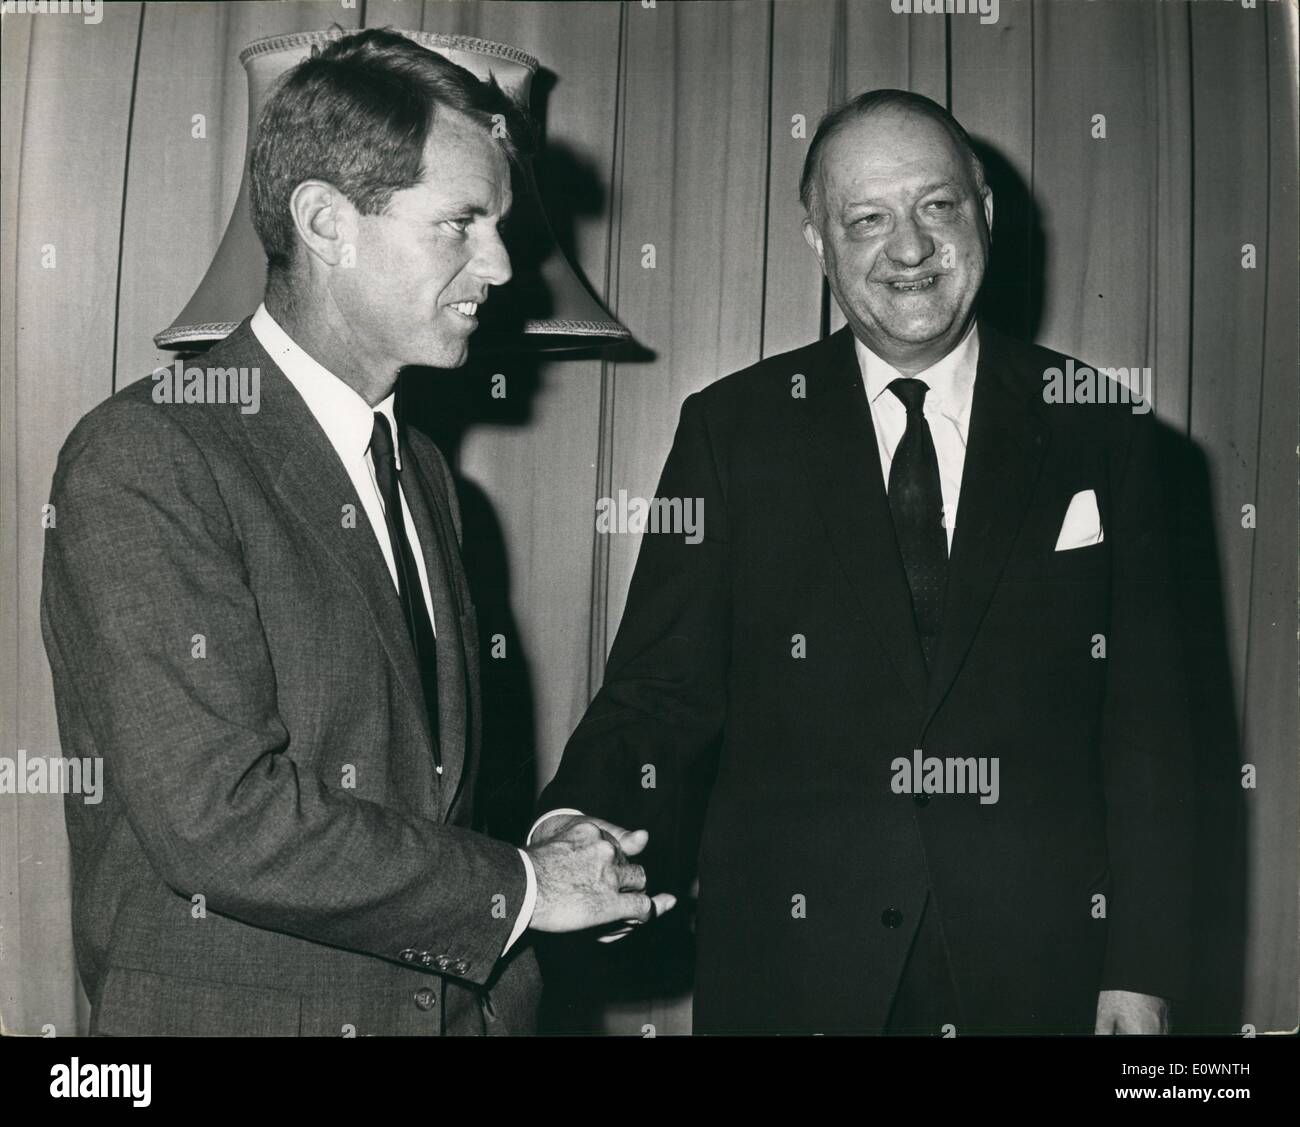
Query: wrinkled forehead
{"x": 464, "y": 162}
{"x": 892, "y": 150}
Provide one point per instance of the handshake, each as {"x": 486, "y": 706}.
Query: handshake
{"x": 585, "y": 880}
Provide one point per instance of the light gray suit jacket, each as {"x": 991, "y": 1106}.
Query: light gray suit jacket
{"x": 274, "y": 852}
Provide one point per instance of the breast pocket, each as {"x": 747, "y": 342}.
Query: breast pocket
{"x": 1039, "y": 565}
{"x": 1092, "y": 561}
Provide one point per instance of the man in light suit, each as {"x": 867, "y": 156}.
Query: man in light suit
{"x": 260, "y": 621}
{"x": 930, "y": 635}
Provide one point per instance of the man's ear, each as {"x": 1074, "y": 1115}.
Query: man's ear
{"x": 325, "y": 220}
{"x": 813, "y": 237}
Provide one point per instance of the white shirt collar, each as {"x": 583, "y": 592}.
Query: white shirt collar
{"x": 344, "y": 416}
{"x": 951, "y": 380}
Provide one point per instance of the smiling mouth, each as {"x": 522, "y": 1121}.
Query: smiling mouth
{"x": 919, "y": 285}
{"x": 464, "y": 308}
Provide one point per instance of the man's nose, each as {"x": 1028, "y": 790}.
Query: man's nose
{"x": 492, "y": 262}
{"x": 909, "y": 244}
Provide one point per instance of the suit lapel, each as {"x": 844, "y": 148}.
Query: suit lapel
{"x": 314, "y": 483}
{"x": 840, "y": 455}
{"x": 1004, "y": 453}
{"x": 431, "y": 514}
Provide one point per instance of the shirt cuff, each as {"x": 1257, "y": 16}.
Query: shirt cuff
{"x": 549, "y": 814}
{"x": 525, "y": 916}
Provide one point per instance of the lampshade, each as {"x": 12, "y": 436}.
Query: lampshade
{"x": 545, "y": 305}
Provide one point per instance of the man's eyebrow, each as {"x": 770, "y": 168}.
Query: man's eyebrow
{"x": 461, "y": 208}
{"x": 478, "y": 211}
{"x": 932, "y": 186}
{"x": 948, "y": 182}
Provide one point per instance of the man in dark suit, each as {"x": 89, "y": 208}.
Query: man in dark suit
{"x": 929, "y": 633}
{"x": 259, "y": 619}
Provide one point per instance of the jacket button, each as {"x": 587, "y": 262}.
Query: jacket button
{"x": 425, "y": 998}
{"x": 921, "y": 799}
{"x": 409, "y": 955}
{"x": 891, "y": 917}
{"x": 460, "y": 966}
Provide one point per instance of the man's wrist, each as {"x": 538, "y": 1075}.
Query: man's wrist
{"x": 529, "y": 906}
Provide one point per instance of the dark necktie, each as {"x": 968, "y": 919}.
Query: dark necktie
{"x": 916, "y": 501}
{"x": 408, "y": 576}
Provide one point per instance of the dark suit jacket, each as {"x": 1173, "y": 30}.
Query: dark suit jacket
{"x": 286, "y": 775}
{"x": 1093, "y": 752}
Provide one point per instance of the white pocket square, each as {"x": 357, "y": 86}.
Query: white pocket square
{"x": 1082, "y": 524}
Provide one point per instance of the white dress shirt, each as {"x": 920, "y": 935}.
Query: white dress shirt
{"x": 348, "y": 422}
{"x": 947, "y": 410}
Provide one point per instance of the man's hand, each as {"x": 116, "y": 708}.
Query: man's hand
{"x": 557, "y": 823}
{"x": 584, "y": 878}
{"x": 1121, "y": 1011}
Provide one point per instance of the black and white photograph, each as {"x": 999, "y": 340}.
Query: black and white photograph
{"x": 580, "y": 520}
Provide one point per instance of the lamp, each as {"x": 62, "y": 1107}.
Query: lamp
{"x": 545, "y": 305}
